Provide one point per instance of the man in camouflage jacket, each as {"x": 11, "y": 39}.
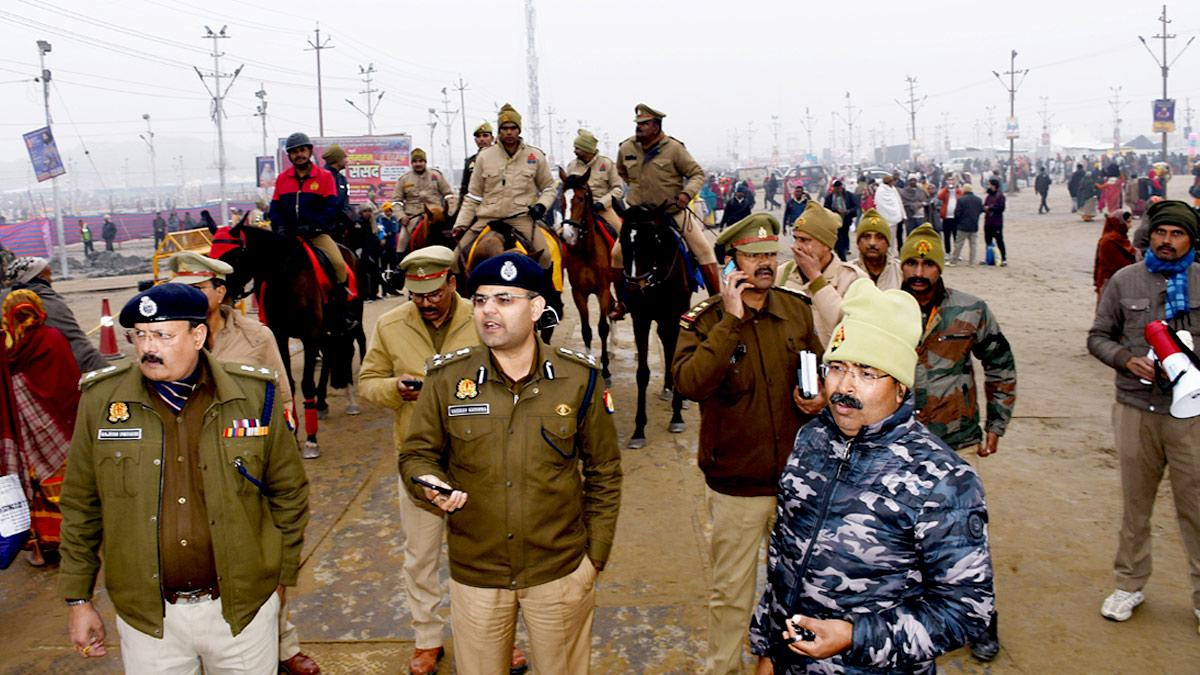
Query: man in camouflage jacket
{"x": 879, "y": 558}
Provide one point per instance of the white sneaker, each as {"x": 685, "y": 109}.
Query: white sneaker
{"x": 1119, "y": 606}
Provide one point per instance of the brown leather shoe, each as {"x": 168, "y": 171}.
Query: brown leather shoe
{"x": 425, "y": 661}
{"x": 300, "y": 664}
{"x": 519, "y": 663}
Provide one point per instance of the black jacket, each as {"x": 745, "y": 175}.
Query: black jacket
{"x": 736, "y": 210}
{"x": 851, "y": 206}
{"x": 967, "y": 211}
{"x": 1041, "y": 184}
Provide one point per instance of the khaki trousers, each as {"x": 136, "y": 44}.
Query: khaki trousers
{"x": 330, "y": 249}
{"x": 196, "y": 635}
{"x": 558, "y": 615}
{"x": 740, "y": 525}
{"x": 1147, "y": 444}
{"x": 694, "y": 235}
{"x": 289, "y": 637}
{"x": 423, "y": 535}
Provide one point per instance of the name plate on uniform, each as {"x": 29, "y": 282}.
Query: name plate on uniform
{"x": 119, "y": 435}
{"x": 469, "y": 409}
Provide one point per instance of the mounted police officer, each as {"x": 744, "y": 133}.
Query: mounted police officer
{"x": 184, "y": 479}
{"x": 420, "y": 188}
{"x": 511, "y": 182}
{"x": 524, "y": 435}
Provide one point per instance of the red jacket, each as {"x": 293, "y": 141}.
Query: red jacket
{"x": 306, "y": 209}
{"x": 1113, "y": 251}
{"x": 943, "y": 196}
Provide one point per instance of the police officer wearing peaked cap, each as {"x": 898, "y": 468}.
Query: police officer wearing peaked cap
{"x": 185, "y": 483}
{"x": 508, "y": 426}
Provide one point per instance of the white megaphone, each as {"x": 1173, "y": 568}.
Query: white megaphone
{"x": 1184, "y": 377}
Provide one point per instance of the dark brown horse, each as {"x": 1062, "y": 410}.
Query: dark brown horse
{"x": 657, "y": 290}
{"x": 293, "y": 304}
{"x": 587, "y": 261}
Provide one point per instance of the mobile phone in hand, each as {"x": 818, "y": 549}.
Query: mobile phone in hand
{"x": 440, "y": 489}
{"x": 413, "y": 384}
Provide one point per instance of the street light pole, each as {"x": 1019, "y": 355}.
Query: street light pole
{"x": 148, "y": 137}
{"x": 43, "y": 49}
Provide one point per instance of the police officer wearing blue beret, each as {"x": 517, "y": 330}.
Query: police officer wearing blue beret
{"x": 184, "y": 479}
{"x": 507, "y": 428}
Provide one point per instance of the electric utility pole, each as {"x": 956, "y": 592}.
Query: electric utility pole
{"x": 261, "y": 113}
{"x": 550, "y": 135}
{"x": 43, "y": 49}
{"x": 461, "y": 87}
{"x": 218, "y": 108}
{"x": 148, "y": 137}
{"x": 449, "y": 120}
{"x": 1116, "y": 104}
{"x": 371, "y": 100}
{"x": 1164, "y": 64}
{"x": 1012, "y": 87}
{"x": 852, "y": 115}
{"x": 914, "y": 104}
{"x": 317, "y": 46}
{"x": 808, "y": 122}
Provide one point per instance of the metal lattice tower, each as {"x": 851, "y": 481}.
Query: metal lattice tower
{"x": 531, "y": 67}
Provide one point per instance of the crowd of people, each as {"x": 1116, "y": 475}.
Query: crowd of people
{"x": 178, "y": 471}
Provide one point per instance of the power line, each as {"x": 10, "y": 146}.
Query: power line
{"x": 317, "y": 46}
{"x": 218, "y": 109}
{"x": 1011, "y": 88}
{"x": 912, "y": 108}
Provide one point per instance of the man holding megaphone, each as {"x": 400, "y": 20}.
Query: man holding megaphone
{"x": 1146, "y": 322}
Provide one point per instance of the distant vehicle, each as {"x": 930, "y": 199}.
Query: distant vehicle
{"x": 812, "y": 177}
{"x": 757, "y": 175}
{"x": 876, "y": 172}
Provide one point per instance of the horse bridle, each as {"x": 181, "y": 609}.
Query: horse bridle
{"x": 238, "y": 242}
{"x": 648, "y": 280}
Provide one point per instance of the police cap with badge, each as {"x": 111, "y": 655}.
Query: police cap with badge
{"x": 758, "y": 233}
{"x": 514, "y": 270}
{"x": 166, "y": 302}
{"x": 426, "y": 269}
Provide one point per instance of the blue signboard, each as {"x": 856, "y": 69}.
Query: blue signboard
{"x": 47, "y": 163}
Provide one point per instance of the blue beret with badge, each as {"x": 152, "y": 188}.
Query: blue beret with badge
{"x": 508, "y": 269}
{"x": 165, "y": 302}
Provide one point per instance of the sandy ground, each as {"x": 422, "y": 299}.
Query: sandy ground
{"x": 1053, "y": 493}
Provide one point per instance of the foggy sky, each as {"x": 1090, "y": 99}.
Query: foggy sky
{"x": 712, "y": 67}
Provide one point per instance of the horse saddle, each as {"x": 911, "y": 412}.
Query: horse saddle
{"x": 322, "y": 268}
{"x": 607, "y": 231}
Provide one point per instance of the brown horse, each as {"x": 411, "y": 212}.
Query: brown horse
{"x": 431, "y": 228}
{"x": 587, "y": 261}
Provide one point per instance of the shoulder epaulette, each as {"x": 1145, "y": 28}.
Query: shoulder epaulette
{"x": 440, "y": 360}
{"x": 247, "y": 370}
{"x": 793, "y": 292}
{"x": 94, "y": 376}
{"x": 689, "y": 317}
{"x": 578, "y": 357}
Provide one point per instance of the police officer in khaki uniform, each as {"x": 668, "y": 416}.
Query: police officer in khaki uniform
{"x": 234, "y": 338}
{"x": 421, "y": 187}
{"x": 436, "y": 319}
{"x": 524, "y": 435}
{"x": 483, "y": 139}
{"x": 815, "y": 271}
{"x": 512, "y": 182}
{"x": 185, "y": 483}
{"x": 737, "y": 356}
{"x": 659, "y": 170}
{"x": 604, "y": 181}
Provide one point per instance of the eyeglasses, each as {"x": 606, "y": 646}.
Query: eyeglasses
{"x": 502, "y": 299}
{"x": 860, "y": 374}
{"x": 158, "y": 336}
{"x": 432, "y": 297}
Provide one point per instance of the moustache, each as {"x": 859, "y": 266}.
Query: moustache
{"x": 846, "y": 400}
{"x": 765, "y": 268}
{"x": 151, "y": 358}
{"x": 914, "y": 281}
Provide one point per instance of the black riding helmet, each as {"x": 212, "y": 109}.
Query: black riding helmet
{"x": 298, "y": 140}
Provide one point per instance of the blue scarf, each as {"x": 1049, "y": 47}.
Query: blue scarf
{"x": 1177, "y": 280}
{"x": 175, "y": 393}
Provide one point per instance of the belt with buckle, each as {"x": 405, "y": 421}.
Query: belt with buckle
{"x": 193, "y": 596}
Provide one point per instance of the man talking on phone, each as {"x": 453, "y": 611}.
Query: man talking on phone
{"x": 523, "y": 434}
{"x": 435, "y": 320}
{"x": 738, "y": 356}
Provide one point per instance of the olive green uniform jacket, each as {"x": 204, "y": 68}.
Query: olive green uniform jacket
{"x": 657, "y": 175}
{"x": 543, "y": 481}
{"x": 112, "y": 495}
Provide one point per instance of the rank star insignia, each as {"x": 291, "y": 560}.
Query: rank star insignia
{"x": 466, "y": 389}
{"x": 508, "y": 271}
{"x": 118, "y": 411}
{"x": 838, "y": 338}
{"x": 923, "y": 248}
{"x": 147, "y": 307}
{"x": 562, "y": 410}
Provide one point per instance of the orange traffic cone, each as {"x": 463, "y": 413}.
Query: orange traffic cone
{"x": 108, "y": 335}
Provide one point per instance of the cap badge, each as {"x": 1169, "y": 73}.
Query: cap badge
{"x": 762, "y": 232}
{"x": 838, "y": 338}
{"x": 508, "y": 271}
{"x": 420, "y": 271}
{"x": 147, "y": 307}
{"x": 118, "y": 411}
{"x": 923, "y": 248}
{"x": 466, "y": 389}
